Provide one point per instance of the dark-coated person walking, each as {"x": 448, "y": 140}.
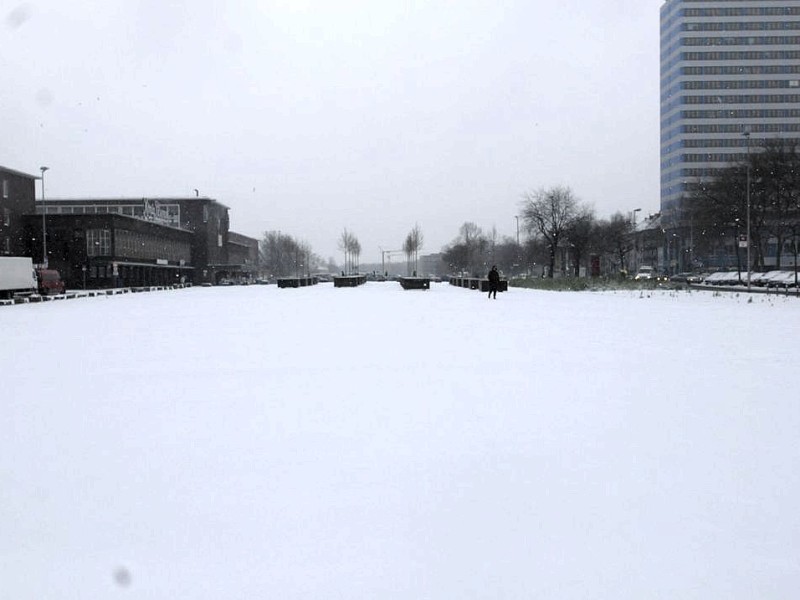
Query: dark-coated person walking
{"x": 494, "y": 281}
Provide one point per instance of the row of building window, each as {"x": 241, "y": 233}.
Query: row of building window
{"x": 98, "y": 242}
{"x": 677, "y": 39}
{"x": 739, "y": 142}
{"x": 738, "y": 114}
{"x": 133, "y": 244}
{"x": 670, "y": 18}
{"x": 756, "y": 55}
{"x": 5, "y": 188}
{"x": 739, "y": 99}
{"x": 706, "y": 71}
{"x": 750, "y": 40}
{"x": 170, "y": 214}
{"x": 742, "y": 55}
{"x": 760, "y": 84}
{"x": 136, "y": 210}
{"x": 732, "y": 84}
{"x": 6, "y": 217}
{"x": 100, "y": 272}
{"x": 738, "y": 26}
{"x": 743, "y": 11}
{"x": 731, "y": 100}
{"x": 697, "y": 173}
{"x": 693, "y": 186}
{"x": 740, "y": 70}
{"x": 779, "y": 128}
{"x": 703, "y": 173}
{"x": 723, "y": 157}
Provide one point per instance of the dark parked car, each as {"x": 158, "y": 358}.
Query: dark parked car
{"x": 686, "y": 278}
{"x": 49, "y": 282}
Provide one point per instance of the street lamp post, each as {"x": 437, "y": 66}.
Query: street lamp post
{"x": 44, "y": 222}
{"x": 519, "y": 250}
{"x": 747, "y": 137}
{"x": 635, "y": 242}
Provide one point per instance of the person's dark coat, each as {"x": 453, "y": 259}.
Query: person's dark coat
{"x": 494, "y": 277}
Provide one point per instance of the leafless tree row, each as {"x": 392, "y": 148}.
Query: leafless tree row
{"x": 284, "y": 256}
{"x": 411, "y": 247}
{"x": 349, "y": 244}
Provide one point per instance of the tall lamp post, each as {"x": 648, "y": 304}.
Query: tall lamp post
{"x": 746, "y": 134}
{"x": 519, "y": 250}
{"x": 635, "y": 243}
{"x": 44, "y": 222}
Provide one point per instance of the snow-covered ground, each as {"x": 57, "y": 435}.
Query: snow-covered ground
{"x": 251, "y": 442}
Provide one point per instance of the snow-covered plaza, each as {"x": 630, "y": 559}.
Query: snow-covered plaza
{"x": 375, "y": 443}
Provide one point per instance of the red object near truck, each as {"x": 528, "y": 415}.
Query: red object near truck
{"x": 49, "y": 282}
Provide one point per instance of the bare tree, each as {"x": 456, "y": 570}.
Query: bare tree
{"x": 613, "y": 237}
{"x": 579, "y": 235}
{"x": 474, "y": 242}
{"x": 492, "y": 242}
{"x": 355, "y": 252}
{"x": 279, "y": 252}
{"x": 550, "y": 212}
{"x": 467, "y": 251}
{"x": 349, "y": 244}
{"x": 411, "y": 247}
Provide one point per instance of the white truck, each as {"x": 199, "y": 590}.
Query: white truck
{"x": 17, "y": 277}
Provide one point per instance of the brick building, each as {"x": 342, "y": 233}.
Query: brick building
{"x": 142, "y": 241}
{"x": 17, "y": 199}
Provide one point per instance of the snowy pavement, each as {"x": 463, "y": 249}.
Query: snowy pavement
{"x": 251, "y": 442}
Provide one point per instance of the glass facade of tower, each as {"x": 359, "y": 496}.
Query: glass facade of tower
{"x": 727, "y": 67}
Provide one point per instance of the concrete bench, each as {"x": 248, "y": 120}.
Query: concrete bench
{"x": 415, "y": 283}
{"x": 296, "y": 282}
{"x": 349, "y": 280}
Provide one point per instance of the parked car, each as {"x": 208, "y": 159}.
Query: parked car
{"x": 784, "y": 280}
{"x": 695, "y": 278}
{"x": 762, "y": 279}
{"x": 755, "y": 278}
{"x": 734, "y": 278}
{"x": 723, "y": 278}
{"x": 49, "y": 282}
{"x": 679, "y": 278}
{"x": 711, "y": 278}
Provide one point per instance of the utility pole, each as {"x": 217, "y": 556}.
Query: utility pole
{"x": 519, "y": 249}
{"x": 383, "y": 257}
{"x": 747, "y": 137}
{"x": 45, "y": 262}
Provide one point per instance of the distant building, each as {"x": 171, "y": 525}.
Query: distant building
{"x": 650, "y": 245}
{"x": 17, "y": 199}
{"x": 432, "y": 264}
{"x": 143, "y": 241}
{"x": 243, "y": 256}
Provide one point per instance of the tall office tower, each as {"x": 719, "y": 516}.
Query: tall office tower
{"x": 730, "y": 76}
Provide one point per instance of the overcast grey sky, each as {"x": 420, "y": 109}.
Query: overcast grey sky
{"x": 312, "y": 116}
